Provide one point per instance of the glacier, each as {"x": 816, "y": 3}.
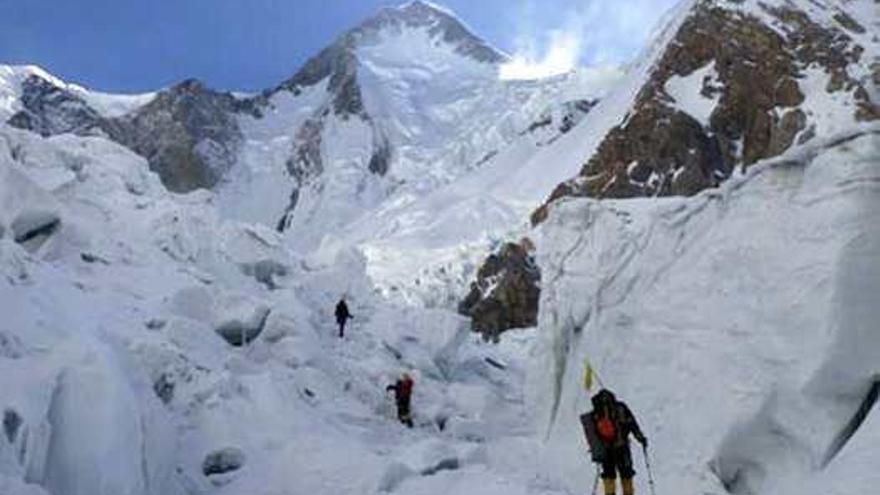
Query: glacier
{"x": 155, "y": 343}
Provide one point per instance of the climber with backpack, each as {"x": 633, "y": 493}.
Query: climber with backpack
{"x": 342, "y": 315}
{"x": 607, "y": 428}
{"x": 402, "y": 395}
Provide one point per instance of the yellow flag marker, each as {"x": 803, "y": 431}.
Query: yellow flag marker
{"x": 588, "y": 375}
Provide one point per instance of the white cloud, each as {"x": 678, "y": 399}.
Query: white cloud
{"x": 562, "y": 55}
{"x": 546, "y": 54}
{"x": 589, "y": 32}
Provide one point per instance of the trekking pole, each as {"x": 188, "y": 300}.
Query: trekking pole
{"x": 595, "y": 481}
{"x": 648, "y": 468}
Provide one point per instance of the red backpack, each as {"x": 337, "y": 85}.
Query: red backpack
{"x": 606, "y": 429}
{"x": 406, "y": 386}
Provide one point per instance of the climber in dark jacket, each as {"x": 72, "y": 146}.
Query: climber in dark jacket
{"x": 342, "y": 315}
{"x": 614, "y": 423}
{"x": 402, "y": 395}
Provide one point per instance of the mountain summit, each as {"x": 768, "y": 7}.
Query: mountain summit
{"x": 338, "y": 61}
{"x": 440, "y": 23}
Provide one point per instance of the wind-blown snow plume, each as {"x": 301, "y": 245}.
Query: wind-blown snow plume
{"x": 592, "y": 33}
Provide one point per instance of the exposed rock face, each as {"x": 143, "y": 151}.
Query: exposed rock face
{"x": 306, "y": 161}
{"x": 188, "y": 133}
{"x": 506, "y": 292}
{"x": 564, "y": 117}
{"x": 50, "y": 110}
{"x": 380, "y": 160}
{"x": 752, "y": 63}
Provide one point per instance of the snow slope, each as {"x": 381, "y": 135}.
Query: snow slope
{"x": 116, "y": 377}
{"x": 738, "y": 323}
{"x": 452, "y": 129}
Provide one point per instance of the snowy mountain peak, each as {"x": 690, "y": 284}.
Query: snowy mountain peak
{"x": 440, "y": 22}
{"x": 12, "y": 77}
{"x": 338, "y": 61}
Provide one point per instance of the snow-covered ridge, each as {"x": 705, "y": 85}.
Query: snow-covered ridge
{"x": 440, "y": 22}
{"x": 106, "y": 104}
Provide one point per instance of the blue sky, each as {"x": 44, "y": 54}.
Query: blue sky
{"x": 139, "y": 45}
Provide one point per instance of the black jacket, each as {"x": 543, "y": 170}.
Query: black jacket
{"x": 606, "y": 405}
{"x": 342, "y": 313}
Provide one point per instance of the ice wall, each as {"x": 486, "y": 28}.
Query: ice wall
{"x": 736, "y": 324}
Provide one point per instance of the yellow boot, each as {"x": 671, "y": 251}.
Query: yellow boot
{"x": 609, "y": 486}
{"x": 627, "y": 484}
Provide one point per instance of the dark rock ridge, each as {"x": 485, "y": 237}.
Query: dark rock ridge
{"x": 188, "y": 133}
{"x": 50, "y": 110}
{"x": 659, "y": 150}
{"x": 506, "y": 292}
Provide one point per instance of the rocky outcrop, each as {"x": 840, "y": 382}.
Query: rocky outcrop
{"x": 564, "y": 117}
{"x": 188, "y": 133}
{"x": 506, "y": 292}
{"x": 748, "y": 66}
{"x": 306, "y": 161}
{"x": 380, "y": 160}
{"x": 49, "y": 110}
